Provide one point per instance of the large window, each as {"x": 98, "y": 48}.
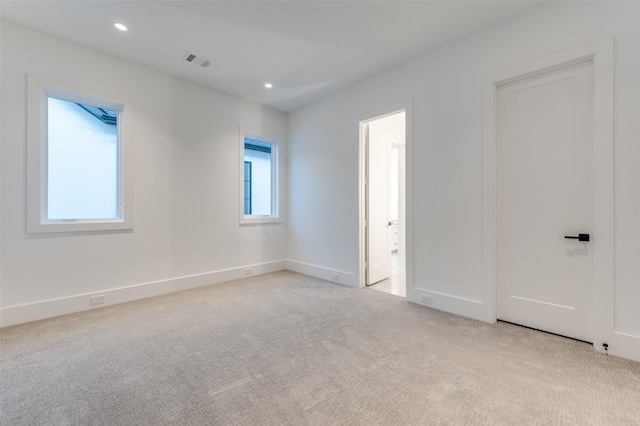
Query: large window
{"x": 260, "y": 201}
{"x": 77, "y": 174}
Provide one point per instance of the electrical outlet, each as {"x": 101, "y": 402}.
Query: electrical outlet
{"x": 428, "y": 300}
{"x": 335, "y": 277}
{"x": 96, "y": 300}
{"x": 248, "y": 272}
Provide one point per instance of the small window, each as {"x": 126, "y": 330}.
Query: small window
{"x": 259, "y": 180}
{"x": 77, "y": 179}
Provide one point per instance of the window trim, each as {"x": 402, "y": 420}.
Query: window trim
{"x": 276, "y": 198}
{"x": 39, "y": 89}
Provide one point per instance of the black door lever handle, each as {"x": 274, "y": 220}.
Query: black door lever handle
{"x": 580, "y": 237}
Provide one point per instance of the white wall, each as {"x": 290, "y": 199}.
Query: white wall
{"x": 186, "y": 151}
{"x": 445, "y": 87}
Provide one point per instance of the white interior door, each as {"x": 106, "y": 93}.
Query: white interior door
{"x": 377, "y": 238}
{"x": 545, "y": 178}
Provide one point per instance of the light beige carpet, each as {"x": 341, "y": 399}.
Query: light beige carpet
{"x": 286, "y": 349}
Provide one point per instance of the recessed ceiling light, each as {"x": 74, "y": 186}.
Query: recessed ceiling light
{"x": 268, "y": 85}
{"x": 120, "y": 26}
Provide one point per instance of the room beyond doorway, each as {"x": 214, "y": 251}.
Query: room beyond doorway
{"x": 384, "y": 140}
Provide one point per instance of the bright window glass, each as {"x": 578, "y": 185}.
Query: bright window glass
{"x": 247, "y": 188}
{"x": 258, "y": 159}
{"x": 82, "y": 161}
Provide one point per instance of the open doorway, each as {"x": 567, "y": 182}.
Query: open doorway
{"x": 384, "y": 146}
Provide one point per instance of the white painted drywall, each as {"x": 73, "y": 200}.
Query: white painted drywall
{"x": 185, "y": 190}
{"x": 446, "y": 89}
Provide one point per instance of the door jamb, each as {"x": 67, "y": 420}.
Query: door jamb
{"x": 407, "y": 107}
{"x": 601, "y": 53}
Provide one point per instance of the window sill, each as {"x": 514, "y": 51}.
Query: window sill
{"x": 78, "y": 226}
{"x": 257, "y": 220}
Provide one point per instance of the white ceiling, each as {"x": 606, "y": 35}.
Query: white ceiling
{"x": 307, "y": 49}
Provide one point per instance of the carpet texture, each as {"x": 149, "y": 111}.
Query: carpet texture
{"x": 287, "y": 349}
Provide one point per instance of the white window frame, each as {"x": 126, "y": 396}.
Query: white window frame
{"x": 276, "y": 199}
{"x": 39, "y": 90}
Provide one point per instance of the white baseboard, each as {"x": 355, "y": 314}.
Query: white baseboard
{"x": 13, "y": 315}
{"x": 620, "y": 344}
{"x": 453, "y": 304}
{"x": 623, "y": 345}
{"x": 333, "y": 275}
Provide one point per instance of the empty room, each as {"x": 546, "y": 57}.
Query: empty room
{"x": 199, "y": 200}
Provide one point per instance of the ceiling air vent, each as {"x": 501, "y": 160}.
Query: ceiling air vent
{"x": 195, "y": 59}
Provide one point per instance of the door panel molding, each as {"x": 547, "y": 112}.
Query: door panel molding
{"x": 601, "y": 53}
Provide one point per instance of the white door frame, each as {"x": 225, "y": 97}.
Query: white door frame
{"x": 407, "y": 107}
{"x": 601, "y": 54}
